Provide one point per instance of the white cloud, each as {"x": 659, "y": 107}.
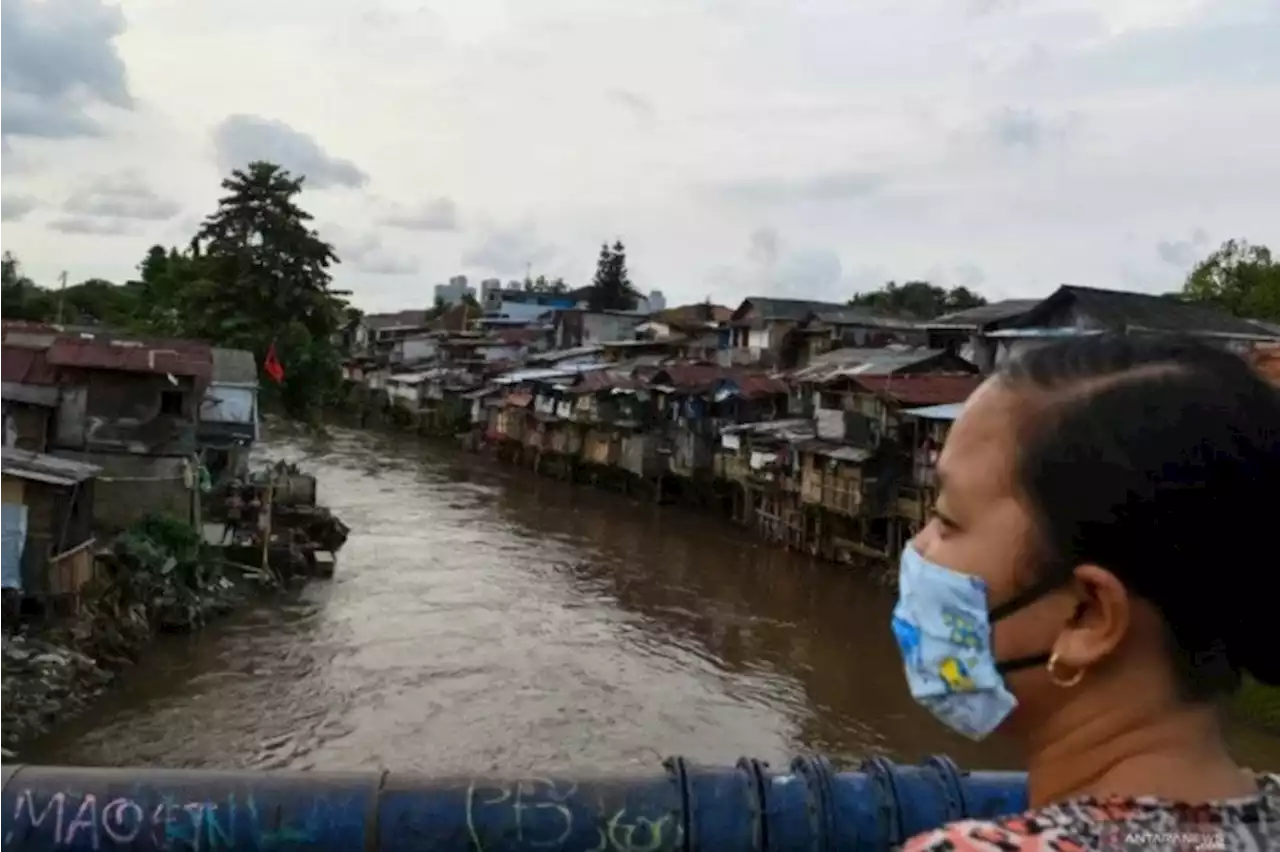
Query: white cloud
{"x": 1012, "y": 143}
{"x": 16, "y": 206}
{"x": 241, "y": 139}
{"x": 438, "y": 214}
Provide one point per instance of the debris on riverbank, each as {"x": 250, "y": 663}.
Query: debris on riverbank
{"x": 158, "y": 576}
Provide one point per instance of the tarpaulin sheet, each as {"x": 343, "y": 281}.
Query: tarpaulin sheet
{"x": 15, "y": 537}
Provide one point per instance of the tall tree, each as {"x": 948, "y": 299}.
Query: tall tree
{"x": 611, "y": 288}
{"x": 1240, "y": 278}
{"x": 258, "y": 273}
{"x": 271, "y": 268}
{"x": 918, "y": 299}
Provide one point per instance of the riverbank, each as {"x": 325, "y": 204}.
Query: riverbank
{"x": 1255, "y": 705}
{"x": 157, "y": 577}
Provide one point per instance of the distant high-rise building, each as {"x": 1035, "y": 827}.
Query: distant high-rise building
{"x": 453, "y": 292}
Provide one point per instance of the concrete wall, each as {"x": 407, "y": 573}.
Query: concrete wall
{"x": 132, "y": 486}
{"x": 116, "y": 411}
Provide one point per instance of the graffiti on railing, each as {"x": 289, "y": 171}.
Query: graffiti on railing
{"x": 170, "y": 824}
{"x": 540, "y": 814}
{"x": 537, "y": 795}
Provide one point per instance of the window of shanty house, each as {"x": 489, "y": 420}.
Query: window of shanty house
{"x": 171, "y": 402}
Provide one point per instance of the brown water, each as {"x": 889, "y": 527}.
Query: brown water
{"x": 484, "y": 618}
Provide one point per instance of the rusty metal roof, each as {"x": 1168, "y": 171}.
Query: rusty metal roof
{"x": 757, "y": 385}
{"x": 25, "y": 366}
{"x": 691, "y": 378}
{"x": 39, "y": 467}
{"x": 922, "y": 390}
{"x": 178, "y": 358}
{"x": 601, "y": 380}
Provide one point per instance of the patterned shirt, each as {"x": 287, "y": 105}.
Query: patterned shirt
{"x": 1248, "y": 824}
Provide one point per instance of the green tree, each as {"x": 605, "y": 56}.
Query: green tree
{"x": 100, "y": 302}
{"x": 918, "y": 299}
{"x": 257, "y": 273}
{"x": 542, "y": 284}
{"x": 1239, "y": 278}
{"x": 611, "y": 288}
{"x": 23, "y": 298}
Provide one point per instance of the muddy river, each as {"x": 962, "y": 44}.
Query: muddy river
{"x": 484, "y": 618}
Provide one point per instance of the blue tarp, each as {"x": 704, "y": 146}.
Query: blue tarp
{"x": 15, "y": 537}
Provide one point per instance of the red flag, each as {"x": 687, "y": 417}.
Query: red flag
{"x": 272, "y": 366}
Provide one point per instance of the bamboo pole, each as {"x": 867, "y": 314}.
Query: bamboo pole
{"x": 265, "y": 527}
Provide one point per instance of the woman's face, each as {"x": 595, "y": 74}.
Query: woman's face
{"x": 983, "y": 527}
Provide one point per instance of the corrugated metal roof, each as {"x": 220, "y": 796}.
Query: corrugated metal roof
{"x": 862, "y": 316}
{"x": 757, "y": 385}
{"x": 42, "y": 395}
{"x": 922, "y": 390}
{"x": 791, "y": 431}
{"x": 26, "y": 366}
{"x": 39, "y": 467}
{"x": 546, "y": 373}
{"x": 602, "y": 380}
{"x": 692, "y": 378}
{"x": 832, "y": 450}
{"x": 770, "y": 309}
{"x": 234, "y": 367}
{"x": 409, "y": 378}
{"x": 983, "y": 314}
{"x": 557, "y": 355}
{"x": 880, "y": 361}
{"x": 946, "y": 411}
{"x": 1120, "y": 310}
{"x": 177, "y": 358}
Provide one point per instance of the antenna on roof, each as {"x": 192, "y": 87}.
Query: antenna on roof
{"x": 61, "y": 290}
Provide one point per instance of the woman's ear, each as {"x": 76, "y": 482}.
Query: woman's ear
{"x": 1096, "y": 613}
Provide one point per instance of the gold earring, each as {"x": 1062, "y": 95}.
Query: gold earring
{"x": 1056, "y": 679}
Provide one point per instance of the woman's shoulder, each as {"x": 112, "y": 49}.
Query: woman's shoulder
{"x": 1046, "y": 829}
{"x": 1089, "y": 824}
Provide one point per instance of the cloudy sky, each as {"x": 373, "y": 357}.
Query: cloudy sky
{"x": 790, "y": 147}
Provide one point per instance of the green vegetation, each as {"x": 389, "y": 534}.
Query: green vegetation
{"x": 159, "y": 576}
{"x": 255, "y": 273}
{"x": 1239, "y": 278}
{"x": 611, "y": 289}
{"x": 918, "y": 299}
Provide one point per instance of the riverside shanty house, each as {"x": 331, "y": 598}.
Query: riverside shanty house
{"x": 48, "y": 520}
{"x": 30, "y": 394}
{"x": 760, "y": 327}
{"x": 228, "y": 421}
{"x": 131, "y": 407}
{"x": 1075, "y": 311}
{"x": 830, "y": 483}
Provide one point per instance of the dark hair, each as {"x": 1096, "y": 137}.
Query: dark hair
{"x": 1158, "y": 458}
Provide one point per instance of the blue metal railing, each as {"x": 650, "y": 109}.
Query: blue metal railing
{"x": 685, "y": 808}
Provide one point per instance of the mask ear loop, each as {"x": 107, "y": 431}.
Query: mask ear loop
{"x": 1056, "y": 679}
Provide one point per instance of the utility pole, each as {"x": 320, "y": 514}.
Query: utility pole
{"x": 61, "y": 290}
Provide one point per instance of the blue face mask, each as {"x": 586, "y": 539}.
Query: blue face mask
{"x": 943, "y": 628}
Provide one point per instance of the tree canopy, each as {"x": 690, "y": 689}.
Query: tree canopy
{"x": 542, "y": 284}
{"x": 255, "y": 273}
{"x": 1239, "y": 278}
{"x": 917, "y": 299}
{"x": 611, "y": 288}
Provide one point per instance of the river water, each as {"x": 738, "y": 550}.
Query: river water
{"x": 485, "y": 618}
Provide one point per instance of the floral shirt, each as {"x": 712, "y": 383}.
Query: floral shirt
{"x": 1248, "y": 824}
